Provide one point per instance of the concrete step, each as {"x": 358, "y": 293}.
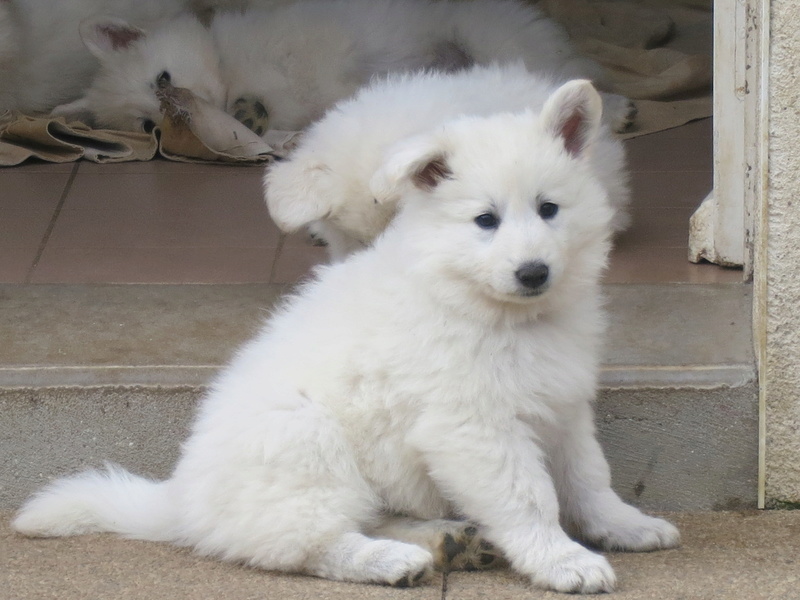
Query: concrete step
{"x": 725, "y": 556}
{"x": 112, "y": 372}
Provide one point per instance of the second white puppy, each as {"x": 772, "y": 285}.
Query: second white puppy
{"x": 331, "y": 183}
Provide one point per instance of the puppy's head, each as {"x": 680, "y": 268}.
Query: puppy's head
{"x": 133, "y": 62}
{"x": 508, "y": 205}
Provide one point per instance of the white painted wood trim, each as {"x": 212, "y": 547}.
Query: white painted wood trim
{"x": 721, "y": 230}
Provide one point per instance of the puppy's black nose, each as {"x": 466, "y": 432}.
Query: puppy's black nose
{"x": 533, "y": 274}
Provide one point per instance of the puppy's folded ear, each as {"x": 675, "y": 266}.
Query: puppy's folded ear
{"x": 573, "y": 113}
{"x": 420, "y": 161}
{"x": 295, "y": 192}
{"x": 103, "y": 35}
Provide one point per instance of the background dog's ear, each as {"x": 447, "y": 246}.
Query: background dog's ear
{"x": 104, "y": 34}
{"x": 78, "y": 110}
{"x": 295, "y": 192}
{"x": 420, "y": 161}
{"x": 573, "y": 113}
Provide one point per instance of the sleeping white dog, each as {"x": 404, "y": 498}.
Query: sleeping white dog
{"x": 283, "y": 65}
{"x": 447, "y": 372}
{"x": 328, "y": 182}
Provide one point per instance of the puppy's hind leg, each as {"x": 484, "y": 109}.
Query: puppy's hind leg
{"x": 356, "y": 557}
{"x": 455, "y": 545}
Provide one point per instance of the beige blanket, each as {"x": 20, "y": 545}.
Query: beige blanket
{"x": 656, "y": 52}
{"x": 54, "y": 140}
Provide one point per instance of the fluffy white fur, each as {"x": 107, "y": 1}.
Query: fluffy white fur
{"x": 333, "y": 182}
{"x": 122, "y": 94}
{"x": 429, "y": 376}
{"x": 298, "y": 59}
{"x": 43, "y": 61}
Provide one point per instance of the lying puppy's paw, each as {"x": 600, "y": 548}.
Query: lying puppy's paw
{"x": 251, "y": 112}
{"x": 619, "y": 112}
{"x": 465, "y": 550}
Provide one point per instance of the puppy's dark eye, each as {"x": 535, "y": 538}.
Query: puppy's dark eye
{"x": 163, "y": 78}
{"x": 487, "y": 221}
{"x": 148, "y": 125}
{"x": 548, "y": 210}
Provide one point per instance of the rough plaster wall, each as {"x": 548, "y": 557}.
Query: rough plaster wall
{"x": 783, "y": 256}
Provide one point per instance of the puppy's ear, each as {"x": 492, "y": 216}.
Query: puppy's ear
{"x": 295, "y": 192}
{"x": 103, "y": 35}
{"x": 573, "y": 113}
{"x": 419, "y": 161}
{"x": 79, "y": 110}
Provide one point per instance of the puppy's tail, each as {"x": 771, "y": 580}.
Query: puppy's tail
{"x": 112, "y": 501}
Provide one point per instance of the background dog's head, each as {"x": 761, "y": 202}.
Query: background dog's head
{"x": 507, "y": 205}
{"x": 133, "y": 61}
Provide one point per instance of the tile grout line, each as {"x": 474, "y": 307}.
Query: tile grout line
{"x": 278, "y": 252}
{"x": 444, "y": 584}
{"x": 52, "y": 224}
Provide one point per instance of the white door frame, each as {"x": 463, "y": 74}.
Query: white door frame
{"x": 724, "y": 229}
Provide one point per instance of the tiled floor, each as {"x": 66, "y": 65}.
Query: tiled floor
{"x": 162, "y": 222}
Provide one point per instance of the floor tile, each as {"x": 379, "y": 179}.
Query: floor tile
{"x": 15, "y": 264}
{"x": 154, "y": 265}
{"x": 160, "y": 165}
{"x": 664, "y": 265}
{"x": 177, "y": 210}
{"x": 665, "y": 189}
{"x": 295, "y": 262}
{"x": 39, "y": 166}
{"x": 687, "y": 148}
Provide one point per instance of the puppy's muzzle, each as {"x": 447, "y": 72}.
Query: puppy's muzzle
{"x": 533, "y": 276}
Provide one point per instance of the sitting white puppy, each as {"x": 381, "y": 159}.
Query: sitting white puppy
{"x": 447, "y": 371}
{"x": 329, "y": 184}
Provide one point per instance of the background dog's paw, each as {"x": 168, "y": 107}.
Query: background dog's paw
{"x": 464, "y": 550}
{"x": 619, "y": 112}
{"x": 412, "y": 567}
{"x": 635, "y": 534}
{"x": 251, "y": 112}
{"x": 579, "y": 571}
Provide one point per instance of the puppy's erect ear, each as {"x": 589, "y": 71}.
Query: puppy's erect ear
{"x": 102, "y": 35}
{"x": 573, "y": 113}
{"x": 418, "y": 161}
{"x": 296, "y": 192}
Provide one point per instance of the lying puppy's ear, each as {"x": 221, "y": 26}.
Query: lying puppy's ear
{"x": 79, "y": 110}
{"x": 573, "y": 113}
{"x": 103, "y": 35}
{"x": 419, "y": 161}
{"x": 295, "y": 192}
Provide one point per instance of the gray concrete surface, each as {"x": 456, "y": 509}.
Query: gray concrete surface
{"x": 726, "y": 555}
{"x": 113, "y": 372}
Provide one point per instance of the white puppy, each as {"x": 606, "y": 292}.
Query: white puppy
{"x": 285, "y": 64}
{"x": 449, "y": 370}
{"x": 328, "y": 182}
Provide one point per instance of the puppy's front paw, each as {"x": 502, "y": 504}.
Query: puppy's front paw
{"x": 636, "y": 533}
{"x": 577, "y": 571}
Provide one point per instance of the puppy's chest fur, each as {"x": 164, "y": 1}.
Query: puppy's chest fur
{"x": 457, "y": 372}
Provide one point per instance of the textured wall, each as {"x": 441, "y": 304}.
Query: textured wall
{"x": 783, "y": 256}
